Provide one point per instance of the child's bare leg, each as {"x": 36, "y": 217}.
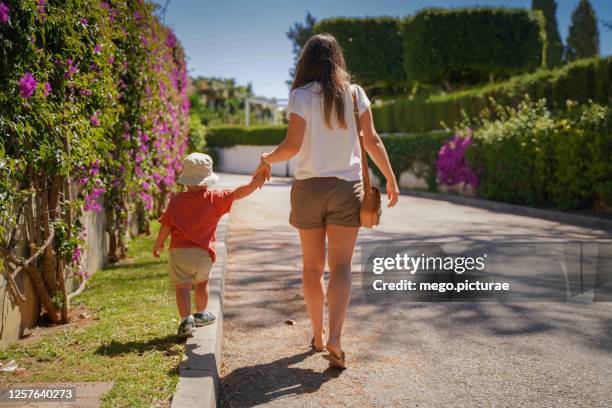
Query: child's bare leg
{"x": 183, "y": 299}
{"x": 201, "y": 295}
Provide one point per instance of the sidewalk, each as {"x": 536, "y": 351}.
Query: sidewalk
{"x": 411, "y": 354}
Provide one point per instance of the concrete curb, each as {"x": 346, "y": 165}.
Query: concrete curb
{"x": 551, "y": 215}
{"x": 198, "y": 384}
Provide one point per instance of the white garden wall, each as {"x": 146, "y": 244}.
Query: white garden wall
{"x": 243, "y": 159}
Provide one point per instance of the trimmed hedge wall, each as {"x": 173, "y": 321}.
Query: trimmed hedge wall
{"x": 231, "y": 135}
{"x": 532, "y": 157}
{"x": 416, "y": 152}
{"x": 372, "y": 46}
{"x": 579, "y": 81}
{"x": 443, "y": 44}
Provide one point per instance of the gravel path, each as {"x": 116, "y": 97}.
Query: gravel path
{"x": 409, "y": 354}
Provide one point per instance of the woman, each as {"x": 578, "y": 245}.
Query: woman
{"x": 327, "y": 191}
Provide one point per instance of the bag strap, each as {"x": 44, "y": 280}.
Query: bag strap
{"x": 365, "y": 174}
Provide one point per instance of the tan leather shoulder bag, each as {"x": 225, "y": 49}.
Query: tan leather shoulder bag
{"x": 370, "y": 206}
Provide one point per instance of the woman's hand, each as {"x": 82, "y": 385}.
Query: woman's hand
{"x": 392, "y": 192}
{"x": 264, "y": 167}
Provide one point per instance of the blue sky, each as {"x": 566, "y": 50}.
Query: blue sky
{"x": 245, "y": 39}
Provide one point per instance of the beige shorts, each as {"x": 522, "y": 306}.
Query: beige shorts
{"x": 187, "y": 265}
{"x": 318, "y": 201}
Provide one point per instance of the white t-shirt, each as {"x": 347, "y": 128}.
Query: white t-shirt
{"x": 327, "y": 152}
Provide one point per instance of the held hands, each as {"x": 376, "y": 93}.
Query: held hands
{"x": 392, "y": 192}
{"x": 264, "y": 168}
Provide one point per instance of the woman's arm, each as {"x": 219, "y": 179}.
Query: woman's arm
{"x": 288, "y": 148}
{"x": 376, "y": 149}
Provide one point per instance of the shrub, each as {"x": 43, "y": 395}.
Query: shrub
{"x": 580, "y": 81}
{"x": 442, "y": 45}
{"x": 452, "y": 166}
{"x": 530, "y": 156}
{"x": 231, "y": 135}
{"x": 372, "y": 46}
{"x": 92, "y": 104}
{"x": 415, "y": 152}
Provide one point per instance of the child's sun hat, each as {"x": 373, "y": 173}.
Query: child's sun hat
{"x": 198, "y": 170}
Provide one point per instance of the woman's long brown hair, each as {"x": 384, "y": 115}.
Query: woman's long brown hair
{"x": 322, "y": 61}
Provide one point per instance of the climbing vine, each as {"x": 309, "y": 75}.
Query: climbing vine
{"x": 93, "y": 117}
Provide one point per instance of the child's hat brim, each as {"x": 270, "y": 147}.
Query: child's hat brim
{"x": 198, "y": 181}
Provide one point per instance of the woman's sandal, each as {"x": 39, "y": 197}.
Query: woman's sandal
{"x": 335, "y": 361}
{"x": 312, "y": 345}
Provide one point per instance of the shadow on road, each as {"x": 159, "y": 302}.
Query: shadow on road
{"x": 254, "y": 385}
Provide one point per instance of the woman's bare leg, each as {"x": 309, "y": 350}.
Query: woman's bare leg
{"x": 313, "y": 254}
{"x": 341, "y": 245}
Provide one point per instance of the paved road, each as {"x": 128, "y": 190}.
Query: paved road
{"x": 408, "y": 354}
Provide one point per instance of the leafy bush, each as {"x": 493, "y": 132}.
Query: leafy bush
{"x": 197, "y": 133}
{"x": 530, "y": 156}
{"x": 372, "y": 46}
{"x": 580, "y": 81}
{"x": 92, "y": 104}
{"x": 415, "y": 152}
{"x": 231, "y": 135}
{"x": 445, "y": 45}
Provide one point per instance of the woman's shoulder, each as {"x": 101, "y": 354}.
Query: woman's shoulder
{"x": 356, "y": 88}
{"x": 306, "y": 90}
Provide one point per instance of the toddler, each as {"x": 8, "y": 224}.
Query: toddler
{"x": 191, "y": 218}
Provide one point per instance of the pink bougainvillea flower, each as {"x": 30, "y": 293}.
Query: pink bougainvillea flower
{"x": 76, "y": 255}
{"x": 97, "y": 49}
{"x": 27, "y": 85}
{"x": 4, "y": 13}
{"x": 137, "y": 15}
{"x": 170, "y": 39}
{"x": 452, "y": 165}
{"x": 147, "y": 200}
{"x": 95, "y": 121}
{"x": 111, "y": 59}
{"x": 41, "y": 9}
{"x": 47, "y": 89}
{"x": 71, "y": 68}
{"x": 85, "y": 22}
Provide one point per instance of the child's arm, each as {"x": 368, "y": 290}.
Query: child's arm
{"x": 164, "y": 231}
{"x": 245, "y": 190}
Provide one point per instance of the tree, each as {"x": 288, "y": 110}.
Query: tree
{"x": 554, "y": 46}
{"x": 583, "y": 38}
{"x": 299, "y": 35}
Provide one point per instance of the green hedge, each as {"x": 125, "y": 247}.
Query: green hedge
{"x": 416, "y": 152}
{"x": 372, "y": 46}
{"x": 584, "y": 80}
{"x": 231, "y": 135}
{"x": 531, "y": 157}
{"x": 448, "y": 44}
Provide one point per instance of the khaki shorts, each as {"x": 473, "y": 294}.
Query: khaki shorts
{"x": 187, "y": 265}
{"x": 318, "y": 201}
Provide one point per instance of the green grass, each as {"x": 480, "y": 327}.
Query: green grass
{"x": 132, "y": 344}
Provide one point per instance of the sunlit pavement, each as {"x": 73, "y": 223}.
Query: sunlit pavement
{"x": 407, "y": 354}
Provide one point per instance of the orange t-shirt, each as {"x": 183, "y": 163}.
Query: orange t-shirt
{"x": 193, "y": 217}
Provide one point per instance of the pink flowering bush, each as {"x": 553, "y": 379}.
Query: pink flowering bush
{"x": 452, "y": 165}
{"x": 93, "y": 117}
